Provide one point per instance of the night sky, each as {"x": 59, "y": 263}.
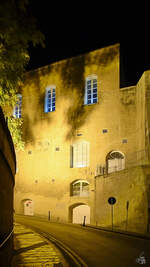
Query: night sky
{"x": 74, "y": 31}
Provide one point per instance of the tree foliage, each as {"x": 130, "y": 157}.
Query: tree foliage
{"x": 15, "y": 127}
{"x": 18, "y": 29}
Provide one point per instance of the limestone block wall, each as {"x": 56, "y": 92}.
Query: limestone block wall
{"x": 44, "y": 171}
{"x": 126, "y": 186}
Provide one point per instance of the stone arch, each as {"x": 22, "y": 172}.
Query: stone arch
{"x": 27, "y": 206}
{"x": 77, "y": 211}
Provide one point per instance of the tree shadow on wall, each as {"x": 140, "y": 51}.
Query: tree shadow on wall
{"x": 35, "y": 100}
{"x": 72, "y": 75}
{"x": 73, "y": 79}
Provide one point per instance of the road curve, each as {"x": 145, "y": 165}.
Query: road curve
{"x": 93, "y": 247}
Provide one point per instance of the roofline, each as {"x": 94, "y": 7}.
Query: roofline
{"x": 70, "y": 58}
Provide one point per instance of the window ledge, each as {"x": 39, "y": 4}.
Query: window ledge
{"x": 91, "y": 104}
{"x": 46, "y": 112}
{"x": 80, "y": 196}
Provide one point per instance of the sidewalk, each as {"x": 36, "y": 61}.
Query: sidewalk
{"x": 32, "y": 250}
{"x": 123, "y": 232}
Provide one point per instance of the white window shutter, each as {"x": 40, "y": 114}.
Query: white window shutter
{"x": 79, "y": 160}
{"x": 121, "y": 164}
{"x": 111, "y": 165}
{"x": 85, "y": 154}
{"x": 75, "y": 155}
{"x": 116, "y": 165}
{"x": 71, "y": 157}
{"x": 80, "y": 154}
{"x": 88, "y": 154}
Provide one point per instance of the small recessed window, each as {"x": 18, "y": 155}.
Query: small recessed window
{"x": 29, "y": 152}
{"x": 104, "y": 130}
{"x": 57, "y": 149}
{"x": 124, "y": 141}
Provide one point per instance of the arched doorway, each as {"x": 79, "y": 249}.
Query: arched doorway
{"x": 77, "y": 213}
{"x": 28, "y": 207}
{"x": 115, "y": 161}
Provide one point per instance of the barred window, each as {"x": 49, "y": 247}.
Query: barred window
{"x": 50, "y": 99}
{"x": 18, "y": 107}
{"x": 80, "y": 154}
{"x": 91, "y": 96}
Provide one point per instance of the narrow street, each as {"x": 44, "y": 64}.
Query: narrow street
{"x": 95, "y": 247}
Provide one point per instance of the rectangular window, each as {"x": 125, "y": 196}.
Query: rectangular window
{"x": 104, "y": 130}
{"x": 18, "y": 107}
{"x": 80, "y": 155}
{"x": 91, "y": 91}
{"x": 50, "y": 99}
{"x": 124, "y": 141}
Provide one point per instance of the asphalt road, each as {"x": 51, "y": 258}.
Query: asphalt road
{"x": 97, "y": 248}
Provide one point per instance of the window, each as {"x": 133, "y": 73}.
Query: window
{"x": 115, "y": 161}
{"x": 104, "y": 130}
{"x": 124, "y": 141}
{"x": 91, "y": 91}
{"x": 80, "y": 188}
{"x": 80, "y": 155}
{"x": 17, "y": 109}
{"x": 50, "y": 99}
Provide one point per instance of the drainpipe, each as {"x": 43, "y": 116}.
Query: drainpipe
{"x": 95, "y": 200}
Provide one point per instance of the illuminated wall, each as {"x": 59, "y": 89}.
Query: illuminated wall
{"x": 72, "y": 142}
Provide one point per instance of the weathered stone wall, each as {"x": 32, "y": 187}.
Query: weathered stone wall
{"x": 44, "y": 172}
{"x": 7, "y": 174}
{"x": 127, "y": 185}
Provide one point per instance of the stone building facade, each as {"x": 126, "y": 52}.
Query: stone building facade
{"x": 86, "y": 139}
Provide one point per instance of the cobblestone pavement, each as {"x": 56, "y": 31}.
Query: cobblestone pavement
{"x": 32, "y": 250}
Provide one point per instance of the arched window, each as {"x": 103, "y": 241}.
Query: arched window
{"x": 50, "y": 99}
{"x": 115, "y": 161}
{"x": 80, "y": 154}
{"x": 80, "y": 188}
{"x": 91, "y": 96}
{"x": 18, "y": 107}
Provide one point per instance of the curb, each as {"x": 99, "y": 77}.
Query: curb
{"x": 132, "y": 234}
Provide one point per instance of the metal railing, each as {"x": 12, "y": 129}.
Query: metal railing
{"x": 5, "y": 240}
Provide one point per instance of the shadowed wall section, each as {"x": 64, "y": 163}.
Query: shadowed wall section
{"x": 7, "y": 173}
